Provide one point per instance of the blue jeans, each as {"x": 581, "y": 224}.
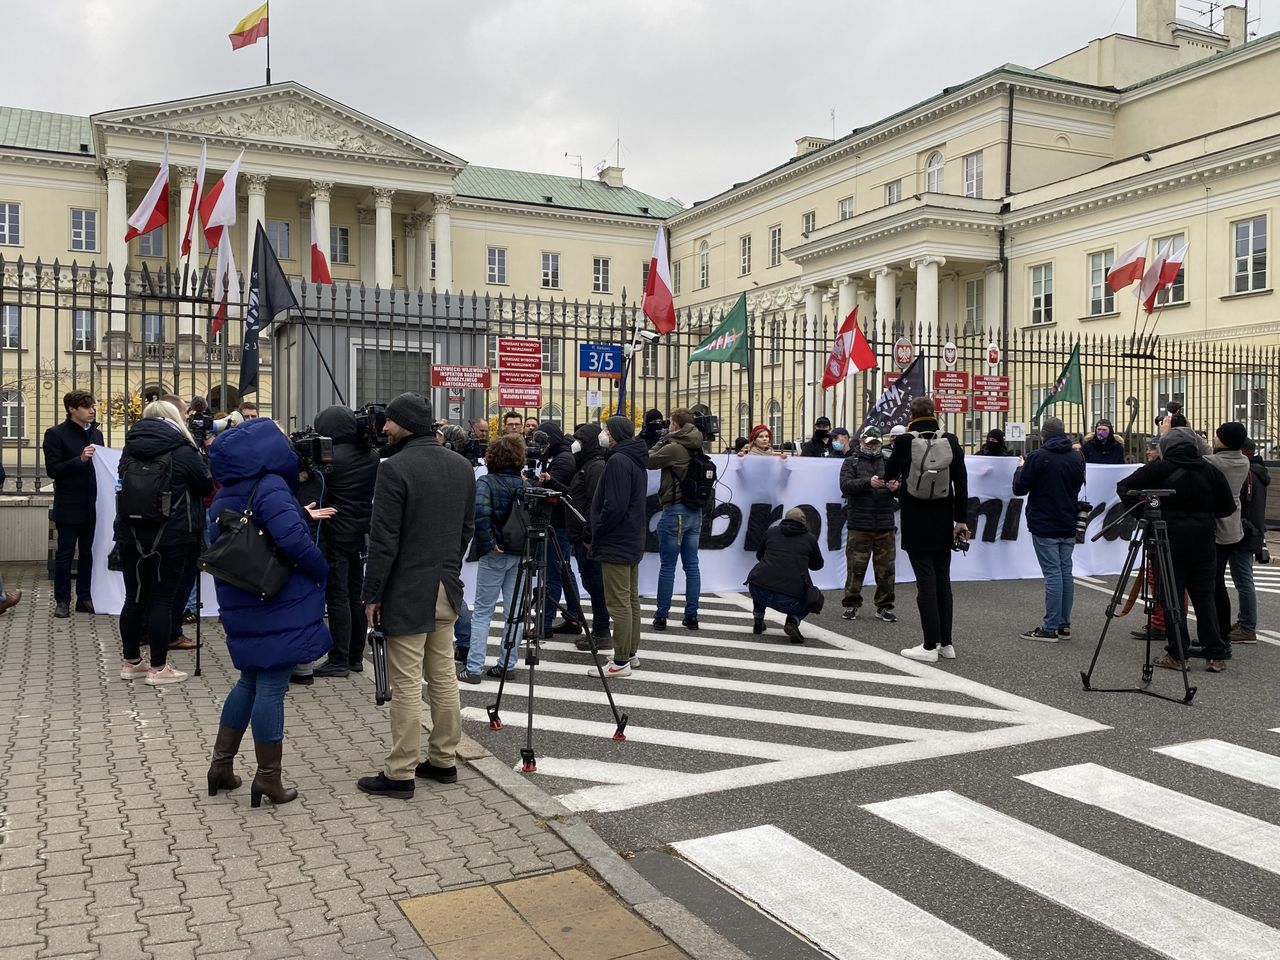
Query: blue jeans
{"x": 258, "y": 697}
{"x": 790, "y": 606}
{"x": 1241, "y": 562}
{"x": 495, "y": 573}
{"x": 1054, "y": 555}
{"x": 679, "y": 531}
{"x": 462, "y": 626}
{"x": 554, "y": 586}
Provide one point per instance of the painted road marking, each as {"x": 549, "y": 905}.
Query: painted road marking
{"x": 1149, "y": 911}
{"x": 841, "y": 911}
{"x": 1229, "y": 758}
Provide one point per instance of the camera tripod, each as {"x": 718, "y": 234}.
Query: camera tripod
{"x": 1151, "y": 541}
{"x": 526, "y": 609}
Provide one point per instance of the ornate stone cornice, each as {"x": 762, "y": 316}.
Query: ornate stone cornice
{"x": 553, "y": 213}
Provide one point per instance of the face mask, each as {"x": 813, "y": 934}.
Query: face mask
{"x": 1103, "y": 433}
{"x": 604, "y": 437}
{"x": 577, "y": 446}
{"x": 820, "y": 431}
{"x": 837, "y": 445}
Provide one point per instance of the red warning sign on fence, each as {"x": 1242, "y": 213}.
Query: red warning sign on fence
{"x": 460, "y": 377}
{"x": 991, "y": 403}
{"x": 519, "y": 354}
{"x": 984, "y": 383}
{"x": 951, "y": 402}
{"x": 953, "y": 381}
{"x": 519, "y": 396}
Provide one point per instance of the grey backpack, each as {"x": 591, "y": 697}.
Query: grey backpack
{"x": 930, "y": 474}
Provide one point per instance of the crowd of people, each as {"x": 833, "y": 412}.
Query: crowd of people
{"x": 378, "y": 538}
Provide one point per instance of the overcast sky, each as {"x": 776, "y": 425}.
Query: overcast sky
{"x": 704, "y": 92}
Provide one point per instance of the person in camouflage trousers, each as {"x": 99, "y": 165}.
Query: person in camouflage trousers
{"x": 872, "y": 526}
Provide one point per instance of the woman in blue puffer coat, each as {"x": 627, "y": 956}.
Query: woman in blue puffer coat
{"x": 266, "y": 638}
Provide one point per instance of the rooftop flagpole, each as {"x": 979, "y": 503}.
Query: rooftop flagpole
{"x": 268, "y": 44}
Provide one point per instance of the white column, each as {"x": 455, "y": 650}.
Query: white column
{"x": 812, "y": 324}
{"x": 411, "y": 252}
{"x": 320, "y": 193}
{"x": 382, "y": 197}
{"x": 304, "y": 238}
{"x": 257, "y": 213}
{"x": 422, "y": 251}
{"x": 993, "y": 301}
{"x": 444, "y": 242}
{"x": 117, "y": 225}
{"x": 927, "y": 292}
{"x": 365, "y": 216}
{"x": 886, "y": 279}
{"x": 950, "y": 312}
{"x": 177, "y": 224}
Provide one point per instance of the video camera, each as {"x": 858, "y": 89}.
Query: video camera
{"x": 370, "y": 419}
{"x": 707, "y": 425}
{"x": 1175, "y": 408}
{"x": 536, "y": 448}
{"x": 538, "y": 501}
{"x": 202, "y": 424}
{"x": 315, "y": 452}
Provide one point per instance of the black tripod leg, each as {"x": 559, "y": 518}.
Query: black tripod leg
{"x": 1117, "y": 597}
{"x": 1175, "y": 619}
{"x": 509, "y": 630}
{"x": 199, "y": 607}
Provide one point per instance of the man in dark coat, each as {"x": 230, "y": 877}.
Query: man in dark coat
{"x": 994, "y": 445}
{"x": 930, "y": 526}
{"x": 556, "y": 472}
{"x": 873, "y": 526}
{"x": 818, "y": 445}
{"x": 68, "y": 459}
{"x": 348, "y": 488}
{"x": 589, "y": 456}
{"x": 1103, "y": 446}
{"x": 1253, "y": 518}
{"x": 619, "y": 523}
{"x": 680, "y": 527}
{"x": 1051, "y": 477}
{"x": 423, "y": 518}
{"x": 779, "y": 578}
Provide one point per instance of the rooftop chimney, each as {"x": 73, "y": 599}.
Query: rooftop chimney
{"x": 809, "y": 144}
{"x": 1155, "y": 19}
{"x": 1234, "y": 25}
{"x": 611, "y": 176}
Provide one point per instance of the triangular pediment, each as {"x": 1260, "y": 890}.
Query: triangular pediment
{"x": 283, "y": 116}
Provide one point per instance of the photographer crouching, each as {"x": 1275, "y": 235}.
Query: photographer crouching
{"x": 556, "y": 469}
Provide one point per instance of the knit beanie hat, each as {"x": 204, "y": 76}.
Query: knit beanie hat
{"x": 412, "y": 412}
{"x": 996, "y": 434}
{"x": 1233, "y": 435}
{"x": 1052, "y": 425}
{"x": 620, "y": 428}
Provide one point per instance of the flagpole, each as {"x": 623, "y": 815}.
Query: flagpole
{"x": 268, "y": 6}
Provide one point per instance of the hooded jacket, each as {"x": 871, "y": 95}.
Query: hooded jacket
{"x": 788, "y": 552}
{"x": 1253, "y": 506}
{"x": 991, "y": 448}
{"x": 1110, "y": 450}
{"x": 75, "y": 485}
{"x": 619, "y": 514}
{"x": 349, "y": 485}
{"x": 496, "y": 492}
{"x": 928, "y": 524}
{"x": 1200, "y": 490}
{"x": 871, "y": 509}
{"x": 560, "y": 465}
{"x": 1235, "y": 467}
{"x": 1051, "y": 478}
{"x": 818, "y": 445}
{"x": 582, "y": 489}
{"x": 671, "y": 455}
{"x": 189, "y": 481}
{"x": 289, "y": 628}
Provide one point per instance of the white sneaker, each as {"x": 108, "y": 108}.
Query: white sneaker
{"x": 605, "y": 660}
{"x": 921, "y": 654}
{"x": 165, "y": 674}
{"x": 612, "y": 670}
{"x": 948, "y": 652}
{"x": 133, "y": 671}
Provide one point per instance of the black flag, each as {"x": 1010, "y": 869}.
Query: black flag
{"x": 269, "y": 294}
{"x": 894, "y": 406}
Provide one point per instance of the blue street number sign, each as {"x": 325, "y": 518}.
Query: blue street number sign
{"x": 600, "y": 360}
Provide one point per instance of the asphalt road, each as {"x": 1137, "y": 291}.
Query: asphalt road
{"x": 874, "y": 806}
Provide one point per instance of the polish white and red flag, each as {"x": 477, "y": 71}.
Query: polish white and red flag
{"x": 1128, "y": 268}
{"x": 659, "y": 305}
{"x": 319, "y": 262}
{"x": 849, "y": 350}
{"x": 226, "y": 283}
{"x": 194, "y": 206}
{"x": 1162, "y": 272}
{"x": 218, "y": 208}
{"x": 153, "y": 211}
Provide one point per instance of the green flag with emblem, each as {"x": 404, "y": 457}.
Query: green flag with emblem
{"x": 729, "y": 342}
{"x": 1069, "y": 387}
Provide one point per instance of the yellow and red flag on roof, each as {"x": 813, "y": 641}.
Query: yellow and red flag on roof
{"x": 251, "y": 29}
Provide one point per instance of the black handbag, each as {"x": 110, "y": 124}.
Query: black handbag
{"x": 813, "y": 597}
{"x": 378, "y": 646}
{"x": 244, "y": 555}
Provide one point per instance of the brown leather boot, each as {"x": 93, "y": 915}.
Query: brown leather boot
{"x": 266, "y": 782}
{"x": 225, "y": 748}
{"x": 10, "y": 600}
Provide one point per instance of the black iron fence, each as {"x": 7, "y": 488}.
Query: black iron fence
{"x": 65, "y": 327}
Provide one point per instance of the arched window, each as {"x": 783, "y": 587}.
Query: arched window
{"x": 553, "y": 413}
{"x": 744, "y": 420}
{"x": 153, "y": 391}
{"x": 704, "y": 264}
{"x": 933, "y": 173}
{"x": 775, "y": 421}
{"x": 13, "y": 415}
{"x": 224, "y": 398}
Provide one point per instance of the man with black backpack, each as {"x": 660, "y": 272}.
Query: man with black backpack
{"x": 683, "y": 497}
{"x": 589, "y": 455}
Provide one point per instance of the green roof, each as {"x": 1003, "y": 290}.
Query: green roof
{"x": 549, "y": 190}
{"x": 48, "y": 132}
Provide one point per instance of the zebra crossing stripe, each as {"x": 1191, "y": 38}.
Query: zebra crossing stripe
{"x": 1154, "y": 914}
{"x": 1229, "y": 758}
{"x": 841, "y": 911}
{"x": 1216, "y": 828}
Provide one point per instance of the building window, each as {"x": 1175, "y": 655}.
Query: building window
{"x": 1102, "y": 299}
{"x": 10, "y": 224}
{"x": 704, "y": 265}
{"x": 1170, "y": 390}
{"x": 433, "y": 259}
{"x": 1250, "y": 255}
{"x": 1176, "y": 292}
{"x": 775, "y": 342}
{"x": 84, "y": 229}
{"x": 11, "y": 326}
{"x": 1037, "y": 398}
{"x": 13, "y": 415}
{"x": 83, "y": 330}
{"x": 775, "y": 420}
{"x": 340, "y": 246}
{"x": 744, "y": 256}
{"x": 973, "y": 175}
{"x": 975, "y": 292}
{"x": 644, "y": 275}
{"x": 1102, "y": 402}
{"x": 808, "y": 223}
{"x": 390, "y": 371}
{"x": 1042, "y": 293}
{"x": 152, "y": 244}
{"x": 599, "y": 274}
{"x": 551, "y": 271}
{"x": 845, "y": 208}
{"x": 744, "y": 420}
{"x": 551, "y": 348}
{"x": 278, "y": 237}
{"x": 775, "y": 245}
{"x": 153, "y": 328}
{"x": 892, "y": 192}
{"x": 676, "y": 273}
{"x": 1249, "y": 403}
{"x": 497, "y": 265}
{"x": 933, "y": 173}
{"x": 649, "y": 360}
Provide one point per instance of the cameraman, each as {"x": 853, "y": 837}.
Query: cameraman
{"x": 589, "y": 456}
{"x": 349, "y": 489}
{"x": 555, "y": 470}
{"x": 680, "y": 528}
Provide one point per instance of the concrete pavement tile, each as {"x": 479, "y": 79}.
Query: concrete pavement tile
{"x": 23, "y": 856}
{"x": 246, "y": 893}
{"x": 659, "y": 953}
{"x": 73, "y": 938}
{"x": 198, "y": 885}
{"x": 556, "y": 895}
{"x": 309, "y": 922}
{"x": 14, "y": 906}
{"x": 217, "y": 938}
{"x": 520, "y": 944}
{"x": 20, "y": 930}
{"x": 20, "y": 879}
{"x": 495, "y": 873}
{"x": 120, "y": 946}
{"x": 458, "y": 914}
{"x": 117, "y": 893}
{"x": 108, "y": 920}
{"x": 603, "y": 934}
{"x": 271, "y": 946}
{"x": 259, "y": 918}
{"x": 346, "y": 902}
{"x": 378, "y": 882}
{"x": 205, "y": 910}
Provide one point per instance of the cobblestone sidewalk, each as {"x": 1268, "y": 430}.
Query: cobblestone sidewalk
{"x": 109, "y": 847}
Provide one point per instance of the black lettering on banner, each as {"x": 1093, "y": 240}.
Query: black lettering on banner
{"x": 837, "y": 517}
{"x": 760, "y": 519}
{"x": 653, "y": 507}
{"x": 1012, "y": 520}
{"x": 812, "y": 519}
{"x": 719, "y": 541}
{"x": 989, "y": 509}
